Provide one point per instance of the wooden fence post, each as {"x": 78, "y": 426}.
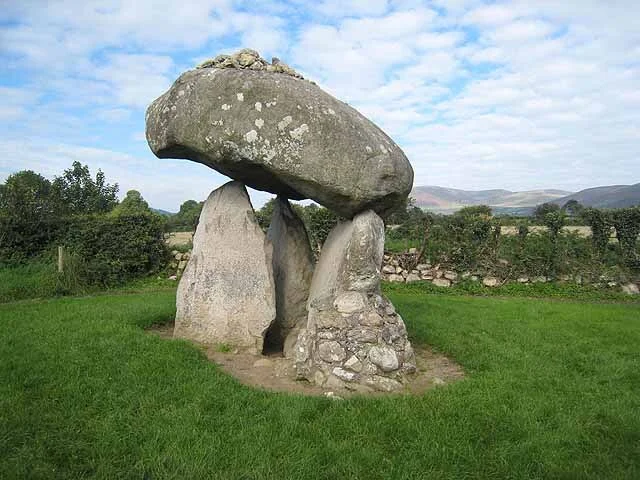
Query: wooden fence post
{"x": 60, "y": 259}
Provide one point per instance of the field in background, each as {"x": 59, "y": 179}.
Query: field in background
{"x": 579, "y": 230}
{"x": 175, "y": 239}
{"x": 551, "y": 392}
{"x": 183, "y": 238}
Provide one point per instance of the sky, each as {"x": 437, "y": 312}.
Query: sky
{"x": 515, "y": 94}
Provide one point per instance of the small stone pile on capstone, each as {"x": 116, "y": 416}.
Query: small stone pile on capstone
{"x": 251, "y": 60}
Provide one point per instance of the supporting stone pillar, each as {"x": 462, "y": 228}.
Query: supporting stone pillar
{"x": 227, "y": 293}
{"x": 292, "y": 270}
{"x": 353, "y": 338}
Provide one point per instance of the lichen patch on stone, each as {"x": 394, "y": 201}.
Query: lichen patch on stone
{"x": 251, "y": 136}
{"x": 282, "y": 124}
{"x": 297, "y": 133}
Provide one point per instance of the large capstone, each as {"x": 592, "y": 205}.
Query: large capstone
{"x": 227, "y": 293}
{"x": 353, "y": 338}
{"x": 292, "y": 270}
{"x": 278, "y": 133}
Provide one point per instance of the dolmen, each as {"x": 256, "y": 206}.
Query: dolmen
{"x": 266, "y": 127}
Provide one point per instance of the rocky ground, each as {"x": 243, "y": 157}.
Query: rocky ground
{"x": 275, "y": 373}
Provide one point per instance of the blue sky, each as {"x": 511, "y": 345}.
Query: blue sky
{"x": 518, "y": 95}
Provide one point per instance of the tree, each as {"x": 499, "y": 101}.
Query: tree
{"x": 414, "y": 225}
{"x": 627, "y": 224}
{"x": 402, "y": 213}
{"x": 542, "y": 210}
{"x": 475, "y": 211}
{"x": 319, "y": 222}
{"x": 554, "y": 221}
{"x": 600, "y": 223}
{"x": 190, "y": 212}
{"x": 77, "y": 193}
{"x": 573, "y": 208}
{"x": 132, "y": 204}
{"x": 186, "y": 218}
{"x": 263, "y": 216}
{"x": 26, "y": 196}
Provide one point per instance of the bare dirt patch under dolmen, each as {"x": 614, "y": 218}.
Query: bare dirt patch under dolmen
{"x": 275, "y": 373}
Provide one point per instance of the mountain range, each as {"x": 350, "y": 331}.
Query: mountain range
{"x": 613, "y": 196}
{"x": 448, "y": 200}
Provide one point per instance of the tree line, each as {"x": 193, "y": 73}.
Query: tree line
{"x": 112, "y": 242}
{"x": 108, "y": 242}
{"x": 471, "y": 240}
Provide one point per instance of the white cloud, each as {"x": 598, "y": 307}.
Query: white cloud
{"x": 514, "y": 94}
{"x": 165, "y": 188}
{"x": 113, "y": 115}
{"x": 16, "y": 102}
{"x": 139, "y": 137}
{"x": 352, "y": 8}
{"x": 522, "y": 31}
{"x": 437, "y": 66}
{"x": 491, "y": 15}
{"x": 432, "y": 41}
{"x": 135, "y": 80}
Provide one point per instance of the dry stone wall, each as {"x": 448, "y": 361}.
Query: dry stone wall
{"x": 407, "y": 268}
{"x": 441, "y": 276}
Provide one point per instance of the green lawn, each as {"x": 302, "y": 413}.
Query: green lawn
{"x": 553, "y": 391}
{"x": 33, "y": 280}
{"x": 40, "y": 279}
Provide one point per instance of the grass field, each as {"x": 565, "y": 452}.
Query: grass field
{"x": 552, "y": 391}
{"x": 34, "y": 280}
{"x": 40, "y": 279}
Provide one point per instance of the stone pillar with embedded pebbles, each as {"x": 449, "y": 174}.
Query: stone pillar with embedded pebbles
{"x": 354, "y": 338}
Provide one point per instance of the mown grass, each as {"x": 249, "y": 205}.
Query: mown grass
{"x": 551, "y": 392}
{"x": 32, "y": 280}
{"x": 400, "y": 245}
{"x": 549, "y": 290}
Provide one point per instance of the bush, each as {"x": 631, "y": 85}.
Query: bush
{"x": 600, "y": 223}
{"x": 22, "y": 239}
{"x": 627, "y": 224}
{"x": 470, "y": 240}
{"x": 114, "y": 249}
{"x": 470, "y": 236}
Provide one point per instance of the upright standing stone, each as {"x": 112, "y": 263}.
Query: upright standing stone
{"x": 292, "y": 270}
{"x": 353, "y": 338}
{"x": 227, "y": 294}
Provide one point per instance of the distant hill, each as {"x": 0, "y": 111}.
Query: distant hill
{"x": 613, "y": 196}
{"x": 164, "y": 213}
{"x": 449, "y": 200}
